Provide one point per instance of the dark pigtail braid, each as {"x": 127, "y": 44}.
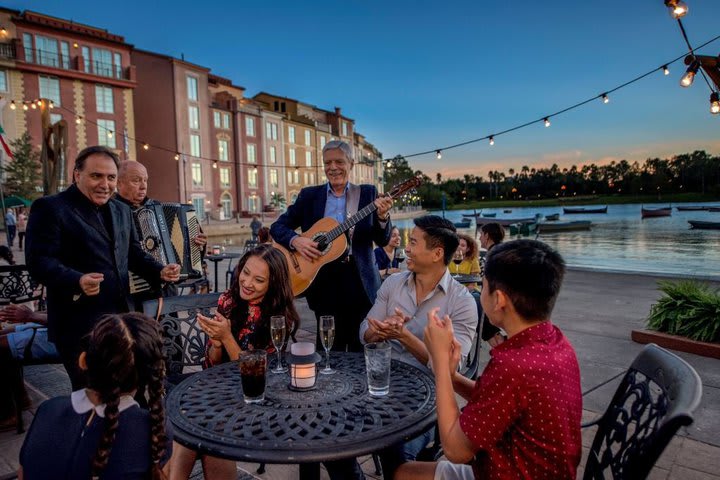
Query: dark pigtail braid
{"x": 156, "y": 392}
{"x": 111, "y": 423}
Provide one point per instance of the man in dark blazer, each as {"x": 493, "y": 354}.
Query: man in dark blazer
{"x": 80, "y": 245}
{"x": 345, "y": 288}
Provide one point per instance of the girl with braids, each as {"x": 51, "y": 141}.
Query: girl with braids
{"x": 105, "y": 434}
{"x": 260, "y": 289}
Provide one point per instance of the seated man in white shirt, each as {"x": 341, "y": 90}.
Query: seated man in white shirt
{"x": 399, "y": 314}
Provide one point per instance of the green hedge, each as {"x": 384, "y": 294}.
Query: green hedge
{"x": 688, "y": 308}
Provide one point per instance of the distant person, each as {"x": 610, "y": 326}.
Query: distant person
{"x": 10, "y": 227}
{"x": 386, "y": 257}
{"x": 255, "y": 226}
{"x": 261, "y": 288}
{"x": 522, "y": 419}
{"x": 264, "y": 235}
{"x": 470, "y": 264}
{"x": 21, "y": 226}
{"x": 106, "y": 434}
{"x": 80, "y": 245}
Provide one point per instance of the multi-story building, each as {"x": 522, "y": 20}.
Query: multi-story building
{"x": 368, "y": 163}
{"x": 253, "y": 170}
{"x": 275, "y": 178}
{"x": 86, "y": 73}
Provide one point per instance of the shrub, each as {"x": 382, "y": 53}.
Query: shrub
{"x": 688, "y": 308}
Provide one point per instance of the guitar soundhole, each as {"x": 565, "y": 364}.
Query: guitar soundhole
{"x": 322, "y": 242}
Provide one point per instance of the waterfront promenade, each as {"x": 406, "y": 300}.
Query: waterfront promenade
{"x": 596, "y": 310}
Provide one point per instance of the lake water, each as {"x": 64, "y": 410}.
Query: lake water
{"x": 621, "y": 241}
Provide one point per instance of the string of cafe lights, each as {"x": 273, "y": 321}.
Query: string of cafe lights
{"x": 604, "y": 97}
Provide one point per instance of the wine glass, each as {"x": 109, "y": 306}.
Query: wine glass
{"x": 400, "y": 255}
{"x": 457, "y": 259}
{"x": 277, "y": 333}
{"x": 327, "y": 335}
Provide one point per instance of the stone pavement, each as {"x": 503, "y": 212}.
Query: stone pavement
{"x": 596, "y": 310}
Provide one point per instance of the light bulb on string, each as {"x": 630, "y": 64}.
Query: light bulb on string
{"x": 39, "y": 103}
{"x": 51, "y": 105}
{"x": 25, "y": 107}
{"x": 491, "y": 141}
{"x": 666, "y": 70}
{"x": 690, "y": 73}
{"x": 677, "y": 8}
{"x": 33, "y": 106}
{"x": 78, "y": 119}
{"x": 547, "y": 121}
{"x": 177, "y": 157}
{"x": 12, "y": 105}
{"x": 439, "y": 154}
{"x": 109, "y": 133}
{"x": 714, "y": 103}
{"x": 605, "y": 98}
{"x": 215, "y": 164}
{"x": 146, "y": 147}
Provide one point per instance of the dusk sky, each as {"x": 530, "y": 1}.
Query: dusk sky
{"x": 417, "y": 75}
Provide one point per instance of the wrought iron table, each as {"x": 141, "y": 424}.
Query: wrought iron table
{"x": 468, "y": 278}
{"x": 219, "y": 257}
{"x": 337, "y": 420}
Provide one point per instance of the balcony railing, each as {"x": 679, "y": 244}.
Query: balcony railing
{"x": 7, "y": 51}
{"x": 76, "y": 63}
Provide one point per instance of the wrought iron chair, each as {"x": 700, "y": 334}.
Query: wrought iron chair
{"x": 656, "y": 397}
{"x": 184, "y": 341}
{"x": 17, "y": 286}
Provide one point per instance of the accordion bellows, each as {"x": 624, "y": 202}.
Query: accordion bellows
{"x": 166, "y": 231}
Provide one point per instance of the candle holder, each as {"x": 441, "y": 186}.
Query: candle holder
{"x": 302, "y": 360}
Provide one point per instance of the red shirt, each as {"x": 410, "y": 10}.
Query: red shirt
{"x": 524, "y": 414}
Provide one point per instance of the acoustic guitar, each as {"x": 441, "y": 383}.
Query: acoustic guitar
{"x": 332, "y": 241}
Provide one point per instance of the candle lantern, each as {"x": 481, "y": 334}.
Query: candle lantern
{"x": 216, "y": 250}
{"x": 302, "y": 360}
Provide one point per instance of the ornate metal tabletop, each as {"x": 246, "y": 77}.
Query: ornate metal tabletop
{"x": 339, "y": 419}
{"x": 468, "y": 278}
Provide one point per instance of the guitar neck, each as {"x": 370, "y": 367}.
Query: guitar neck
{"x": 350, "y": 222}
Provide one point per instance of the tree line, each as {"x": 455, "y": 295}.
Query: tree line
{"x": 696, "y": 172}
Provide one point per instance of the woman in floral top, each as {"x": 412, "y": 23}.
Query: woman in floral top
{"x": 260, "y": 289}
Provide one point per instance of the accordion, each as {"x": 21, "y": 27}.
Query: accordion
{"x": 166, "y": 231}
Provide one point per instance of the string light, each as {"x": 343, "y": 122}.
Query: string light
{"x": 12, "y": 105}
{"x": 39, "y": 103}
{"x": 33, "y": 106}
{"x": 666, "y": 70}
{"x": 677, "y": 8}
{"x": 177, "y": 157}
{"x": 439, "y": 154}
{"x": 109, "y": 133}
{"x": 547, "y": 122}
{"x": 51, "y": 105}
{"x": 78, "y": 119}
{"x": 491, "y": 141}
{"x": 25, "y": 107}
{"x": 215, "y": 163}
{"x": 690, "y": 73}
{"x": 714, "y": 103}
{"x": 605, "y": 98}
{"x": 146, "y": 147}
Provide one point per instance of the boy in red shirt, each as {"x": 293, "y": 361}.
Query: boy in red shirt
{"x": 523, "y": 414}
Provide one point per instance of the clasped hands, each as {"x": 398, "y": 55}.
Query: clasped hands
{"x": 217, "y": 328}
{"x": 393, "y": 327}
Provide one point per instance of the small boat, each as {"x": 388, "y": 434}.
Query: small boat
{"x": 523, "y": 228}
{"x": 469, "y": 215}
{"x": 691, "y": 208}
{"x": 701, "y": 225}
{"x": 713, "y": 209}
{"x": 568, "y": 210}
{"x": 463, "y": 224}
{"x": 505, "y": 222}
{"x": 655, "y": 212}
{"x": 490, "y": 215}
{"x": 507, "y": 211}
{"x": 553, "y": 217}
{"x": 564, "y": 226}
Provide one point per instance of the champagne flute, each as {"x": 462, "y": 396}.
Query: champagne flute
{"x": 277, "y": 333}
{"x": 458, "y": 258}
{"x": 327, "y": 335}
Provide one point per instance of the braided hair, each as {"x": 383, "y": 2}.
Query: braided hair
{"x": 125, "y": 352}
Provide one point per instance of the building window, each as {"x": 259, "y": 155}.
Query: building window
{"x": 223, "y": 150}
{"x": 192, "y": 86}
{"x": 268, "y": 130}
{"x": 292, "y": 156}
{"x": 345, "y": 129}
{"x": 195, "y": 145}
{"x": 226, "y": 121}
{"x": 199, "y": 205}
{"x": 312, "y": 178}
{"x": 54, "y": 118}
{"x": 253, "y": 204}
{"x": 251, "y": 154}
{"x": 308, "y": 159}
{"x": 273, "y": 177}
{"x": 296, "y": 176}
{"x": 86, "y": 58}
{"x": 291, "y": 134}
{"x": 102, "y": 62}
{"x": 323, "y": 141}
{"x": 226, "y": 203}
{"x": 274, "y": 131}
{"x": 3, "y": 81}
{"x": 225, "y": 177}
{"x": 65, "y": 55}
{"x": 197, "y": 174}
{"x": 273, "y": 155}
{"x": 250, "y": 126}
{"x": 117, "y": 63}
{"x": 307, "y": 137}
{"x": 252, "y": 177}
{"x": 104, "y": 99}
{"x": 194, "y": 117}
{"x": 47, "y": 51}
{"x": 289, "y": 175}
{"x": 50, "y": 89}
{"x": 216, "y": 119}
{"x": 28, "y": 46}
{"x": 305, "y": 178}
{"x": 106, "y": 133}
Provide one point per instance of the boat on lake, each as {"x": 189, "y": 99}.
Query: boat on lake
{"x": 505, "y": 222}
{"x": 691, "y": 208}
{"x": 463, "y": 224}
{"x": 570, "y": 210}
{"x": 490, "y": 215}
{"x": 702, "y": 225}
{"x": 553, "y": 217}
{"x": 523, "y": 228}
{"x": 655, "y": 212}
{"x": 553, "y": 227}
{"x": 713, "y": 209}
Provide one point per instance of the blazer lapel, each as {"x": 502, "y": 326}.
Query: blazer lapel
{"x": 320, "y": 201}
{"x": 90, "y": 217}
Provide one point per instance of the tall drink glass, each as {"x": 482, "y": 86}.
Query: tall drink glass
{"x": 327, "y": 336}
{"x": 278, "y": 332}
{"x": 253, "y": 366}
{"x": 377, "y": 365}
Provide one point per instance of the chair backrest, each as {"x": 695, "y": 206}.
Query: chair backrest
{"x": 655, "y": 398}
{"x": 17, "y": 286}
{"x": 184, "y": 341}
{"x": 472, "y": 364}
